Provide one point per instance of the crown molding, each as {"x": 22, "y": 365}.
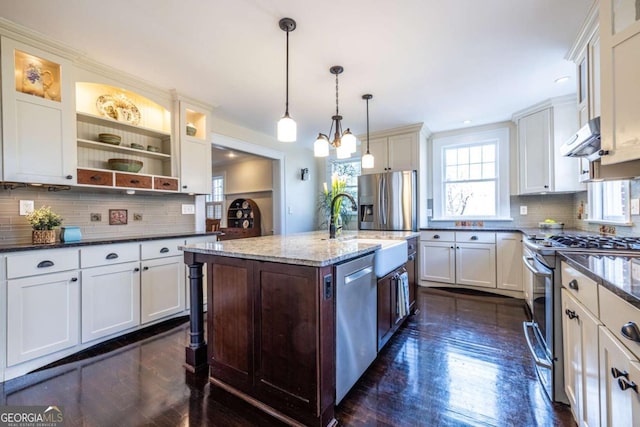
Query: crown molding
{"x": 588, "y": 28}
{"x": 548, "y": 103}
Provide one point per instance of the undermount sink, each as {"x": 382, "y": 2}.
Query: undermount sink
{"x": 390, "y": 256}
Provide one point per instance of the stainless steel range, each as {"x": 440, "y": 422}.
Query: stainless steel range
{"x": 544, "y": 331}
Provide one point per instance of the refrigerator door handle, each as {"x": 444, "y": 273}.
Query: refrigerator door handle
{"x": 383, "y": 199}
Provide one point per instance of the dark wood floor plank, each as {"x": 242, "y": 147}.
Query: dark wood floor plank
{"x": 462, "y": 361}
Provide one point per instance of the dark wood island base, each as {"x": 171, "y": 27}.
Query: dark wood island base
{"x": 270, "y": 333}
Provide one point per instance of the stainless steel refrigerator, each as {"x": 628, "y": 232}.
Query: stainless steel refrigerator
{"x": 387, "y": 201}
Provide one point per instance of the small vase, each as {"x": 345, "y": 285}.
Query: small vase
{"x": 40, "y": 237}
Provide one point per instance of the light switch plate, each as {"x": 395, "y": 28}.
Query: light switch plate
{"x": 26, "y": 206}
{"x": 188, "y": 209}
{"x": 523, "y": 210}
{"x": 635, "y": 206}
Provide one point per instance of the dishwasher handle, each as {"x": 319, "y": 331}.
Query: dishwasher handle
{"x": 358, "y": 275}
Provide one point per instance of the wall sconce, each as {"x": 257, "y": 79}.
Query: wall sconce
{"x": 304, "y": 174}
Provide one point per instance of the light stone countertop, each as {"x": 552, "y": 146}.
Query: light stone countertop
{"x": 312, "y": 249}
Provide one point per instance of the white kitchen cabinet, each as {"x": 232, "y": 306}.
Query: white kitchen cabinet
{"x": 581, "y": 369}
{"x": 619, "y": 379}
{"x": 620, "y": 86}
{"x": 458, "y": 258}
{"x": 509, "y": 261}
{"x": 110, "y": 289}
{"x": 195, "y": 147}
{"x": 162, "y": 279}
{"x": 542, "y": 129}
{"x": 395, "y": 149}
{"x": 38, "y": 129}
{"x": 43, "y": 315}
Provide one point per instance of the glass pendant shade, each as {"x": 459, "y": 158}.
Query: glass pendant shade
{"x": 367, "y": 161}
{"x": 321, "y": 146}
{"x": 349, "y": 141}
{"x": 342, "y": 152}
{"x": 287, "y": 129}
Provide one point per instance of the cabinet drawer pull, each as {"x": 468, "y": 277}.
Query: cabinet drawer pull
{"x": 95, "y": 178}
{"x": 45, "y": 264}
{"x": 571, "y": 314}
{"x": 436, "y": 236}
{"x": 630, "y": 331}
{"x": 184, "y": 186}
{"x": 166, "y": 184}
{"x": 624, "y": 385}
{"x": 74, "y": 279}
{"x": 112, "y": 255}
{"x": 135, "y": 181}
{"x": 574, "y": 285}
{"x": 136, "y": 269}
{"x": 616, "y": 373}
{"x": 145, "y": 268}
{"x": 603, "y": 152}
{"x": 474, "y": 237}
{"x": 69, "y": 176}
{"x": 164, "y": 250}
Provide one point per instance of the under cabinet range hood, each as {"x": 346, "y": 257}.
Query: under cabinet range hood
{"x": 585, "y": 142}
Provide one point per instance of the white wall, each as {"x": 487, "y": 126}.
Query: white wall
{"x": 299, "y": 197}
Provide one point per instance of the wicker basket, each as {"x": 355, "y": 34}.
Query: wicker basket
{"x": 43, "y": 236}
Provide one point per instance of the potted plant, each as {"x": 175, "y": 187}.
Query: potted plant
{"x": 44, "y": 222}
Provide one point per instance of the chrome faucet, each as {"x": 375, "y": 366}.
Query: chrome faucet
{"x": 332, "y": 225}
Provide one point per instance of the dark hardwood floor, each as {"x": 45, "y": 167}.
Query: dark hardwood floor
{"x": 461, "y": 361}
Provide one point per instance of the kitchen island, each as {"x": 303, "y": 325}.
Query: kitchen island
{"x": 271, "y": 327}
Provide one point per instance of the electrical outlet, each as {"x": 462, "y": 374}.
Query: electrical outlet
{"x": 188, "y": 209}
{"x": 429, "y": 213}
{"x": 635, "y": 206}
{"x": 96, "y": 217}
{"x": 26, "y": 206}
{"x": 137, "y": 217}
{"x": 523, "y": 210}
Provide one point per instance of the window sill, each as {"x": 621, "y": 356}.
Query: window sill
{"x": 619, "y": 223}
{"x": 506, "y": 218}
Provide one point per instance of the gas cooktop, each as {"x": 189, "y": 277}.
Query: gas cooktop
{"x": 594, "y": 242}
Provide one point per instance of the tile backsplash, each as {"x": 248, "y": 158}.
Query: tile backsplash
{"x": 148, "y": 214}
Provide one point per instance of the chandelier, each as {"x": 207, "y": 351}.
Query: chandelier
{"x": 343, "y": 142}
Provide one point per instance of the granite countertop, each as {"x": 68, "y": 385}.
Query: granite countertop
{"x": 313, "y": 248}
{"x": 619, "y": 274}
{"x": 88, "y": 242}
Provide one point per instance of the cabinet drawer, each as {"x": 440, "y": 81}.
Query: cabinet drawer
{"x": 89, "y": 177}
{"x": 95, "y": 256}
{"x": 161, "y": 248}
{"x": 42, "y": 262}
{"x": 615, "y": 314}
{"x": 132, "y": 180}
{"x": 580, "y": 286}
{"x": 475, "y": 237}
{"x": 437, "y": 236}
{"x": 163, "y": 183}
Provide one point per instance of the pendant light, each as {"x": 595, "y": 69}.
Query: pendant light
{"x": 286, "y": 125}
{"x": 343, "y": 142}
{"x": 367, "y": 159}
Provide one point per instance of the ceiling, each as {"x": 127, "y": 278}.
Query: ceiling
{"x": 432, "y": 61}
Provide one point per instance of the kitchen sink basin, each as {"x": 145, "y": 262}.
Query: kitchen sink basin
{"x": 390, "y": 256}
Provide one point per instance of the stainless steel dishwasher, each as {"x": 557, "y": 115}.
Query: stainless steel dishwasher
{"x": 356, "y": 301}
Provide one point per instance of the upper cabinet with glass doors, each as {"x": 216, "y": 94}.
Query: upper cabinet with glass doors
{"x": 38, "y": 129}
{"x": 620, "y": 85}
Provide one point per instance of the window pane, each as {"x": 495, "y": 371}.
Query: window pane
{"x": 489, "y": 153}
{"x": 451, "y": 157}
{"x": 470, "y": 198}
{"x": 475, "y": 154}
{"x": 463, "y": 172}
{"x": 488, "y": 170}
{"x": 463, "y": 155}
{"x": 475, "y": 171}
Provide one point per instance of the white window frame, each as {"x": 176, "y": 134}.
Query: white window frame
{"x": 209, "y": 198}
{"x": 501, "y": 137}
{"x": 597, "y": 196}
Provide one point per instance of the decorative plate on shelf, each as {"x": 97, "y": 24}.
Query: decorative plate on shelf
{"x": 245, "y": 223}
{"x": 245, "y": 205}
{"x": 238, "y": 214}
{"x": 118, "y": 107}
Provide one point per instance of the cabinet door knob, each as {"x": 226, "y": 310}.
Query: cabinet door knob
{"x": 574, "y": 285}
{"x": 145, "y": 268}
{"x": 184, "y": 186}
{"x": 474, "y": 237}
{"x": 136, "y": 269}
{"x": 45, "y": 264}
{"x": 571, "y": 314}
{"x": 436, "y": 236}
{"x": 603, "y": 152}
{"x": 624, "y": 385}
{"x": 546, "y": 186}
{"x": 630, "y": 331}
{"x": 616, "y": 373}
{"x": 69, "y": 176}
{"x": 74, "y": 279}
